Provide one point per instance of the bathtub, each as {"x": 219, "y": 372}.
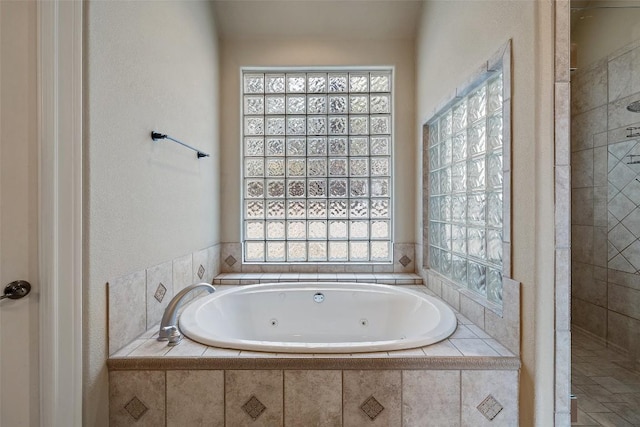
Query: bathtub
{"x": 318, "y": 317}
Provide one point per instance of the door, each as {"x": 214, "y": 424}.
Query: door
{"x": 19, "y": 365}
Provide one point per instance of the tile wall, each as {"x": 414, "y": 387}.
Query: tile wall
{"x": 605, "y": 212}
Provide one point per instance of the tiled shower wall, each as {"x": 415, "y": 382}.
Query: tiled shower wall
{"x": 605, "y": 218}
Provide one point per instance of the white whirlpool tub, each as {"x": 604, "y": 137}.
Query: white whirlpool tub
{"x": 318, "y": 317}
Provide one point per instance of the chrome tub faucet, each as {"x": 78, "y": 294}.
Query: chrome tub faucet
{"x": 168, "y": 327}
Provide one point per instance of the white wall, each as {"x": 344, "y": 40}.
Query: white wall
{"x": 309, "y": 52}
{"x": 455, "y": 38}
{"x": 149, "y": 66}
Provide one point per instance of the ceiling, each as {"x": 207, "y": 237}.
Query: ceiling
{"x": 317, "y": 19}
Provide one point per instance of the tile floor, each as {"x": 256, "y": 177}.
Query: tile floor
{"x": 606, "y": 383}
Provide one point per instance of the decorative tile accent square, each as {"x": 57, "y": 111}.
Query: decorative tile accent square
{"x": 254, "y": 408}
{"x": 160, "y": 292}
{"x": 136, "y": 408}
{"x": 230, "y": 260}
{"x": 372, "y": 408}
{"x": 201, "y": 272}
{"x": 405, "y": 260}
{"x": 490, "y": 407}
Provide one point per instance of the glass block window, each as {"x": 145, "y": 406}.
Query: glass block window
{"x": 465, "y": 203}
{"x": 317, "y": 148}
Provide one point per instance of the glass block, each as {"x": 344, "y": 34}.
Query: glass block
{"x": 275, "y": 126}
{"x": 274, "y": 83}
{"x": 494, "y": 94}
{"x": 359, "y": 166}
{"x": 494, "y": 285}
{"x": 254, "y": 209}
{"x": 317, "y": 209}
{"x": 477, "y": 138}
{"x": 477, "y": 107}
{"x": 434, "y": 157}
{"x": 296, "y": 251}
{"x": 317, "y": 105}
{"x": 459, "y": 270}
{"x": 253, "y": 167}
{"x": 295, "y": 188}
{"x": 380, "y": 145}
{"x": 317, "y": 188}
{"x": 358, "y": 125}
{"x": 359, "y": 146}
{"x": 254, "y": 188}
{"x": 275, "y": 167}
{"x": 275, "y": 147}
{"x": 296, "y": 230}
{"x": 316, "y": 83}
{"x": 253, "y": 104}
{"x": 275, "y": 209}
{"x": 296, "y": 83}
{"x": 434, "y": 233}
{"x": 317, "y": 146}
{"x": 434, "y": 134}
{"x": 459, "y": 117}
{"x": 476, "y": 208}
{"x": 459, "y": 239}
{"x": 296, "y": 104}
{"x": 494, "y": 209}
{"x": 253, "y": 126}
{"x": 434, "y": 183}
{"x": 317, "y": 229}
{"x": 360, "y": 188}
{"x": 254, "y": 147}
{"x": 358, "y": 251}
{"x": 380, "y": 125}
{"x": 434, "y": 258}
{"x": 296, "y": 146}
{"x": 338, "y": 146}
{"x": 358, "y": 208}
{"x": 380, "y": 166}
{"x": 254, "y": 251}
{"x": 296, "y": 209}
{"x": 254, "y": 230}
{"x": 337, "y": 82}
{"x": 446, "y": 152}
{"x": 275, "y": 251}
{"x": 446, "y": 202}
{"x": 275, "y": 230}
{"x": 317, "y": 251}
{"x": 380, "y": 251}
{"x": 445, "y": 236}
{"x": 296, "y": 125}
{"x": 459, "y": 147}
{"x": 359, "y": 229}
{"x": 296, "y": 167}
{"x": 358, "y": 82}
{"x": 337, "y": 229}
{"x": 434, "y": 208}
{"x": 476, "y": 174}
{"x": 494, "y": 131}
{"x": 338, "y": 251}
{"x": 337, "y": 125}
{"x": 316, "y": 125}
{"x": 476, "y": 238}
{"x": 337, "y": 208}
{"x": 494, "y": 247}
{"x": 380, "y": 82}
{"x": 275, "y": 105}
{"x": 477, "y": 278}
{"x": 494, "y": 170}
{"x": 445, "y": 263}
{"x": 317, "y": 167}
{"x": 445, "y": 126}
{"x": 459, "y": 208}
{"x": 359, "y": 104}
{"x": 445, "y": 180}
{"x": 380, "y": 230}
{"x": 380, "y": 104}
{"x": 337, "y": 188}
{"x": 253, "y": 83}
{"x": 275, "y": 188}
{"x": 338, "y": 104}
{"x": 459, "y": 177}
{"x": 338, "y": 167}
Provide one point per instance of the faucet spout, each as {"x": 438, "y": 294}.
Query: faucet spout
{"x": 168, "y": 325}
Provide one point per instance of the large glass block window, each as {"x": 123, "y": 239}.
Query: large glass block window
{"x": 317, "y": 148}
{"x": 465, "y": 203}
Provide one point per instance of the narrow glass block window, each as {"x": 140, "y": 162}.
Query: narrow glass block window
{"x": 317, "y": 166}
{"x": 465, "y": 172}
